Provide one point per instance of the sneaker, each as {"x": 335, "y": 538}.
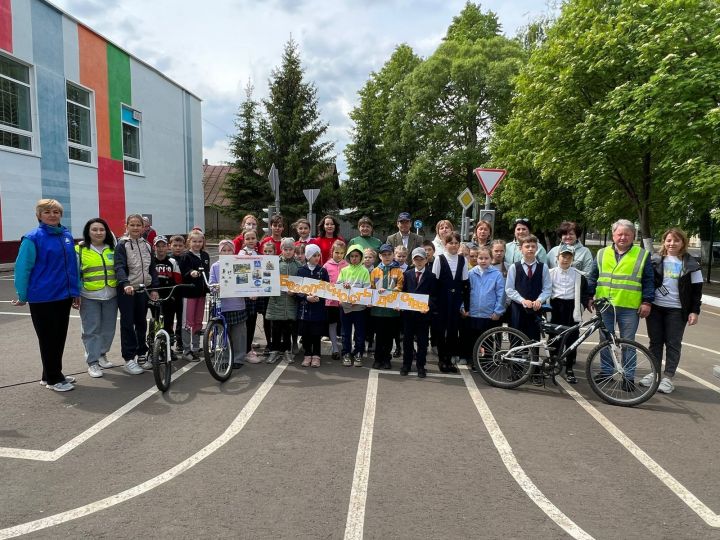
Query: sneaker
{"x": 252, "y": 358}
{"x": 190, "y": 356}
{"x": 145, "y": 362}
{"x": 462, "y": 362}
{"x": 315, "y": 361}
{"x": 68, "y": 379}
{"x": 95, "y": 371}
{"x": 335, "y": 356}
{"x": 347, "y": 360}
{"x": 647, "y": 380}
{"x": 628, "y": 385}
{"x": 132, "y": 368}
{"x": 266, "y": 351}
{"x": 289, "y": 357}
{"x": 666, "y": 386}
{"x": 716, "y": 371}
{"x": 61, "y": 386}
{"x": 104, "y": 362}
{"x": 358, "y": 361}
{"x": 273, "y": 357}
{"x": 397, "y": 353}
{"x": 306, "y": 361}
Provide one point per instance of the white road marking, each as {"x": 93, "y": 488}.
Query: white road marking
{"x": 511, "y": 463}
{"x": 695, "y": 504}
{"x": 233, "y": 429}
{"x": 697, "y": 379}
{"x": 358, "y": 494}
{"x": 54, "y": 455}
{"x": 436, "y": 375}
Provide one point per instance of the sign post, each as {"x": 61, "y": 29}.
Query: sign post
{"x": 418, "y": 225}
{"x": 466, "y": 200}
{"x": 311, "y": 196}
{"x": 274, "y": 178}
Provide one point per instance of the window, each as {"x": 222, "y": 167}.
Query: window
{"x": 131, "y": 139}
{"x": 15, "y": 112}
{"x": 79, "y": 124}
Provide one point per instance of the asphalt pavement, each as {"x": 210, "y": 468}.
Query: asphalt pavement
{"x": 281, "y": 451}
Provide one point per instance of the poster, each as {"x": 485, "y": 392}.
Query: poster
{"x": 249, "y": 275}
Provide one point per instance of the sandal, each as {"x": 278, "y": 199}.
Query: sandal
{"x": 570, "y": 376}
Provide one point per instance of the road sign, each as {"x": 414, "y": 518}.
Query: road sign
{"x": 490, "y": 178}
{"x": 418, "y": 224}
{"x": 466, "y": 199}
{"x": 311, "y": 195}
{"x": 274, "y": 178}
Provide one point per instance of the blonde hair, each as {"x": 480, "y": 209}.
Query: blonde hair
{"x": 443, "y": 222}
{"x": 401, "y": 249}
{"x": 339, "y": 244}
{"x": 677, "y": 233}
{"x": 47, "y": 204}
{"x": 195, "y": 234}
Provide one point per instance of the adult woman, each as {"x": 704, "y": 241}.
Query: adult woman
{"x": 248, "y": 223}
{"x": 46, "y": 277}
{"x": 678, "y": 282}
{"x": 583, "y": 260}
{"x": 443, "y": 229}
{"x": 328, "y": 231}
{"x": 483, "y": 233}
{"x": 98, "y": 309}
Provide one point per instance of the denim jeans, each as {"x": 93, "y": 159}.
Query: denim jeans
{"x": 98, "y": 319}
{"x": 627, "y": 320}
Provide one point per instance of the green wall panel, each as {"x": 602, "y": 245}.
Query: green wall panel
{"x": 118, "y": 93}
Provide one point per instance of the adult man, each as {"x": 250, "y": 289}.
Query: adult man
{"x": 624, "y": 275}
{"x": 366, "y": 239}
{"x": 404, "y": 237}
{"x": 512, "y": 249}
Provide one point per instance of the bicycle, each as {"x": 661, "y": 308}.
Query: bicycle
{"x": 506, "y": 358}
{"x": 217, "y": 347}
{"x": 158, "y": 340}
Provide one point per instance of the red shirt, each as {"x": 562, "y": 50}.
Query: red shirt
{"x": 265, "y": 241}
{"x": 325, "y": 245}
{"x": 238, "y": 242}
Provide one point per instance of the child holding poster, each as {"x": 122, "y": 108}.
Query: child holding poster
{"x": 333, "y": 267}
{"x": 311, "y": 308}
{"x": 352, "y": 315}
{"x": 282, "y": 310}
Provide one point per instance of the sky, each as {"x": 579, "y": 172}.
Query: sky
{"x": 216, "y": 47}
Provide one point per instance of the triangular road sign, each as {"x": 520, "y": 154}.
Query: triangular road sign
{"x": 490, "y": 178}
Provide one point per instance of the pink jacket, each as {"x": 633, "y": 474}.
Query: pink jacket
{"x": 333, "y": 269}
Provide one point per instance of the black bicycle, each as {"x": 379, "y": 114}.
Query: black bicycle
{"x": 506, "y": 358}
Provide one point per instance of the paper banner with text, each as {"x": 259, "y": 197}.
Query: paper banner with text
{"x": 354, "y": 295}
{"x": 249, "y": 275}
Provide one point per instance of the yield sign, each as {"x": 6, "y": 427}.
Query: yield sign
{"x": 490, "y": 178}
{"x": 311, "y": 195}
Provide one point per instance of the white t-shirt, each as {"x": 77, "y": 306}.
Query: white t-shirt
{"x": 669, "y": 295}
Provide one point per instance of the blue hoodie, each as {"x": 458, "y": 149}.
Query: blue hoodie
{"x": 487, "y": 292}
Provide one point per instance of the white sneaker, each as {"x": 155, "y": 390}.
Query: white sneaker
{"x": 647, "y": 380}
{"x": 666, "y": 386}
{"x": 95, "y": 371}
{"x": 716, "y": 371}
{"x": 68, "y": 379}
{"x": 289, "y": 357}
{"x": 104, "y": 362}
{"x": 273, "y": 357}
{"x": 132, "y": 368}
{"x": 61, "y": 386}
{"x": 145, "y": 362}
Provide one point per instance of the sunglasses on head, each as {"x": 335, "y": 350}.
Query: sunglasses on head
{"x": 523, "y": 220}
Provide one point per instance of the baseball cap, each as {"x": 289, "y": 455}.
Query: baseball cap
{"x": 565, "y": 248}
{"x": 419, "y": 252}
{"x": 404, "y": 216}
{"x": 160, "y": 238}
{"x": 386, "y": 247}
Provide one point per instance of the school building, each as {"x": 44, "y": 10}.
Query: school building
{"x": 84, "y": 122}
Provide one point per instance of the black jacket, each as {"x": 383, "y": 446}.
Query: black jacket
{"x": 690, "y": 293}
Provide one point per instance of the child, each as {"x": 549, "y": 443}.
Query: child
{"x": 401, "y": 255}
{"x": 196, "y": 260}
{"x": 486, "y": 302}
{"x": 369, "y": 261}
{"x": 452, "y": 274}
{"x": 334, "y": 266}
{"x": 311, "y": 308}
{"x": 261, "y": 304}
{"x": 429, "y": 248}
{"x": 133, "y": 267}
{"x": 472, "y": 257}
{"x": 177, "y": 250}
{"x": 302, "y": 228}
{"x": 168, "y": 271}
{"x": 418, "y": 280}
{"x": 528, "y": 286}
{"x": 387, "y": 276}
{"x": 251, "y": 304}
{"x": 233, "y": 309}
{"x": 498, "y": 256}
{"x": 300, "y": 253}
{"x": 282, "y": 310}
{"x": 352, "y": 315}
{"x": 277, "y": 226}
{"x": 569, "y": 293}
{"x": 300, "y": 258}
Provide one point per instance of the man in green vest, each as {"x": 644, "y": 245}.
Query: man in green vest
{"x": 624, "y": 275}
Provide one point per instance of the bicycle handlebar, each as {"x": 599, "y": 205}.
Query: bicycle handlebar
{"x": 147, "y": 290}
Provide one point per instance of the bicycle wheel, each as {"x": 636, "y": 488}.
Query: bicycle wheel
{"x": 162, "y": 368}
{"x": 218, "y": 351}
{"x": 493, "y": 362}
{"x": 615, "y": 371}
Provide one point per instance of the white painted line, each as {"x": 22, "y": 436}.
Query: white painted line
{"x": 695, "y": 504}
{"x": 511, "y": 463}
{"x": 54, "y": 455}
{"x": 358, "y": 494}
{"x": 710, "y": 300}
{"x": 713, "y": 351}
{"x": 697, "y": 379}
{"x": 436, "y": 375}
{"x": 233, "y": 429}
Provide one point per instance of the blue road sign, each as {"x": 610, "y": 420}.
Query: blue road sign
{"x": 418, "y": 224}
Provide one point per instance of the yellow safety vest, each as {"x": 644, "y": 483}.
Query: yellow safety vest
{"x": 621, "y": 282}
{"x": 96, "y": 271}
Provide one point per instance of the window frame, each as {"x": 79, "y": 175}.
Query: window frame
{"x": 93, "y": 134}
{"x": 131, "y": 159}
{"x": 32, "y": 113}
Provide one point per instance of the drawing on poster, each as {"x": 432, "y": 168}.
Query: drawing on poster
{"x": 241, "y": 268}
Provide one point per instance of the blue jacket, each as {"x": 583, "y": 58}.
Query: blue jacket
{"x": 312, "y": 311}
{"x": 487, "y": 292}
{"x": 46, "y": 268}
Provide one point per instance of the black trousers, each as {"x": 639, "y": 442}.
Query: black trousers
{"x": 562, "y": 313}
{"x": 178, "y": 322}
{"x": 51, "y": 320}
{"x": 525, "y": 320}
{"x": 415, "y": 327}
{"x": 472, "y": 330}
{"x": 311, "y": 344}
{"x": 386, "y": 328}
{"x": 281, "y": 335}
{"x": 250, "y": 323}
{"x": 666, "y": 327}
{"x": 133, "y": 324}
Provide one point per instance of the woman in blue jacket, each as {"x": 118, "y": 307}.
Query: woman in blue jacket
{"x": 46, "y": 278}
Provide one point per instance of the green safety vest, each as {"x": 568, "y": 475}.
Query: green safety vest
{"x": 621, "y": 282}
{"x": 96, "y": 271}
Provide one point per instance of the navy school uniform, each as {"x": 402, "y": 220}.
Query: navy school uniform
{"x": 416, "y": 324}
{"x": 451, "y": 293}
{"x": 312, "y": 316}
{"x": 530, "y": 288}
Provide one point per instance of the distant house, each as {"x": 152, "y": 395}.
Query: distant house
{"x": 217, "y": 222}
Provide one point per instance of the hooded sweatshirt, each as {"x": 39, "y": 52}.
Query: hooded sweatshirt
{"x": 356, "y": 275}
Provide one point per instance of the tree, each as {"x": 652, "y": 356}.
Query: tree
{"x": 620, "y": 105}
{"x": 246, "y": 189}
{"x": 290, "y": 137}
